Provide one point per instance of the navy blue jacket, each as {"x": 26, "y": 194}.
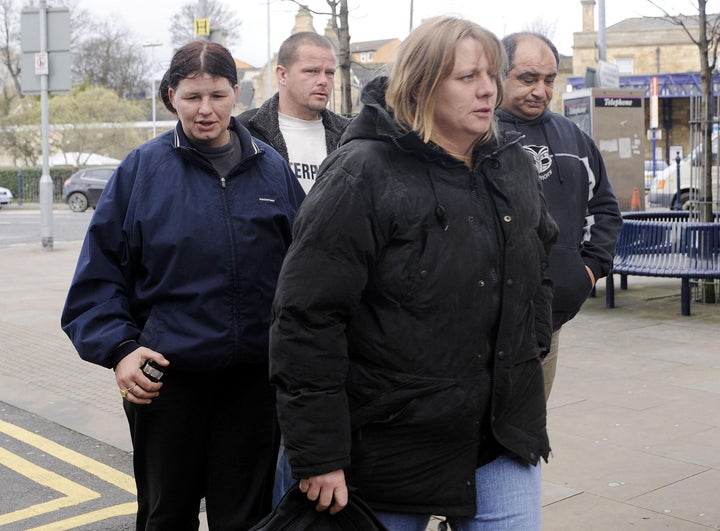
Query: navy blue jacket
{"x": 183, "y": 262}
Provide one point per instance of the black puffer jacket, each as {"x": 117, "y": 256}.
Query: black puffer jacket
{"x": 387, "y": 361}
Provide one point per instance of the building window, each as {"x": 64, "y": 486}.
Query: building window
{"x": 626, "y": 65}
{"x": 366, "y": 57}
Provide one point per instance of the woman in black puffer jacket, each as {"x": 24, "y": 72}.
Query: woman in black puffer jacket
{"x": 412, "y": 310}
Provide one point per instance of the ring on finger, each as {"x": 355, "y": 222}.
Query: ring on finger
{"x": 124, "y": 392}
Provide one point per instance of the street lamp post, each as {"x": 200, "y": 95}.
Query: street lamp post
{"x": 152, "y": 46}
{"x": 154, "y": 115}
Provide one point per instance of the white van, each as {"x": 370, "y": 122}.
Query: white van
{"x": 663, "y": 187}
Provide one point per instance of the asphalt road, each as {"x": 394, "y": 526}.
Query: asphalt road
{"x": 21, "y": 224}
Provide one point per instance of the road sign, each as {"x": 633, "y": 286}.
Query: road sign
{"x": 54, "y": 61}
{"x": 41, "y": 64}
{"x": 202, "y": 27}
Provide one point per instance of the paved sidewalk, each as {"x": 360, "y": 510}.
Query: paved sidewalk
{"x": 634, "y": 417}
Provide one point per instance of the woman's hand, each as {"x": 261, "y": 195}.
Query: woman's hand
{"x": 326, "y": 489}
{"x": 592, "y": 277}
{"x": 134, "y": 386}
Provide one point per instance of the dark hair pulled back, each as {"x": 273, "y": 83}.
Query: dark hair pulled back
{"x": 194, "y": 59}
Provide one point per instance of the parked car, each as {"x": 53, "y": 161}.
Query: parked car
{"x": 660, "y": 165}
{"x": 84, "y": 187}
{"x": 664, "y": 187}
{"x": 6, "y": 196}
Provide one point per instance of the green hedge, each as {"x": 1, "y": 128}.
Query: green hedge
{"x": 30, "y": 177}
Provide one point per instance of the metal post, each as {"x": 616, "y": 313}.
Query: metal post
{"x": 268, "y": 72}
{"x": 411, "y": 17}
{"x": 654, "y": 149}
{"x": 602, "y": 32}
{"x": 202, "y": 12}
{"x": 678, "y": 201}
{"x": 46, "y": 184}
{"x": 154, "y": 105}
{"x": 20, "y": 188}
{"x": 152, "y": 46}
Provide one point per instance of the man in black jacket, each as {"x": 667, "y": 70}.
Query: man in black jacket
{"x": 575, "y": 184}
{"x": 295, "y": 121}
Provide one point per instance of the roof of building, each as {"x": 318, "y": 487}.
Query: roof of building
{"x": 368, "y": 46}
{"x": 365, "y": 72}
{"x": 242, "y": 65}
{"x": 654, "y": 23}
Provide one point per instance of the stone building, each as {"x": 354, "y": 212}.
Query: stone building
{"x": 643, "y": 48}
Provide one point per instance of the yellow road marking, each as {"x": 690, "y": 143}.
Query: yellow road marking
{"x": 74, "y": 493}
{"x": 104, "y": 472}
{"x": 89, "y": 518}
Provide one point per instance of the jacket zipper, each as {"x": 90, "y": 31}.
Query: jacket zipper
{"x": 233, "y": 259}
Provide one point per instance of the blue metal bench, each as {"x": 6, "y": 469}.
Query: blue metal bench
{"x": 666, "y": 244}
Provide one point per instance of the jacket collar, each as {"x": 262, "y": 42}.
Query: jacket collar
{"x": 249, "y": 148}
{"x": 505, "y": 116}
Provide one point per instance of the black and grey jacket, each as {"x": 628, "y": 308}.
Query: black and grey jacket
{"x": 263, "y": 124}
{"x": 581, "y": 201}
{"x": 410, "y": 315}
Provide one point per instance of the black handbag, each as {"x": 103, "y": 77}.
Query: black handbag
{"x": 296, "y": 513}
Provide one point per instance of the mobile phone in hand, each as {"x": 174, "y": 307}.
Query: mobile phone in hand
{"x": 153, "y": 371}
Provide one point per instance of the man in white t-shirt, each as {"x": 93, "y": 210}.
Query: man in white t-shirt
{"x": 295, "y": 121}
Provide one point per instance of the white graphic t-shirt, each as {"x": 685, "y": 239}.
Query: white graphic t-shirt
{"x": 305, "y": 141}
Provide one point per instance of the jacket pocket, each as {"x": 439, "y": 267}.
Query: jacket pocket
{"x": 571, "y": 281}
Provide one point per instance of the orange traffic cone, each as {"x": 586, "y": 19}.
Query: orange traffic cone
{"x": 635, "y": 200}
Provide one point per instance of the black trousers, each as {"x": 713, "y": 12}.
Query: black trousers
{"x": 211, "y": 435}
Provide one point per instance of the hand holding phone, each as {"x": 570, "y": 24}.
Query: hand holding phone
{"x": 152, "y": 371}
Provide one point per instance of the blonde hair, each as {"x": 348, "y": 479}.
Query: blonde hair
{"x": 425, "y": 58}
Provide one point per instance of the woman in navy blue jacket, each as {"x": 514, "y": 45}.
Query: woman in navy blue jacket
{"x": 179, "y": 267}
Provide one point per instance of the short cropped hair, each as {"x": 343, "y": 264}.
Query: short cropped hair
{"x": 287, "y": 54}
{"x": 510, "y": 42}
{"x": 427, "y": 57}
{"x": 194, "y": 59}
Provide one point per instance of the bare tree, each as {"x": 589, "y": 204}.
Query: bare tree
{"x": 182, "y": 28}
{"x": 86, "y": 35}
{"x": 339, "y": 23}
{"x": 111, "y": 59}
{"x": 542, "y": 26}
{"x": 10, "y": 46}
{"x": 707, "y": 40}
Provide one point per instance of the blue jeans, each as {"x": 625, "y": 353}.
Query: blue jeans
{"x": 509, "y": 497}
{"x": 283, "y": 476}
